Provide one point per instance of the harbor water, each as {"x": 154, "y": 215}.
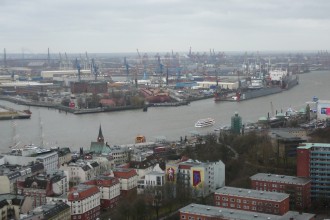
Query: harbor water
{"x": 50, "y": 127}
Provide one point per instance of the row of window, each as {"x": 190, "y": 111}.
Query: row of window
{"x": 246, "y": 207}
{"x": 253, "y": 202}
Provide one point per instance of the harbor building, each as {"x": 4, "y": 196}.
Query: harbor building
{"x": 109, "y": 188}
{"x": 84, "y": 202}
{"x": 252, "y": 200}
{"x": 197, "y": 211}
{"x": 299, "y": 188}
{"x": 202, "y": 177}
{"x": 313, "y": 161}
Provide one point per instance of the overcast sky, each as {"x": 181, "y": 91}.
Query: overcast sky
{"x": 108, "y": 26}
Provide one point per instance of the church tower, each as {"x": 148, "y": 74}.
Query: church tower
{"x": 100, "y": 138}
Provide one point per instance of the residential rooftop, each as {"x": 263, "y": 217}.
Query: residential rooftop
{"x": 280, "y": 178}
{"x": 250, "y": 193}
{"x": 226, "y": 213}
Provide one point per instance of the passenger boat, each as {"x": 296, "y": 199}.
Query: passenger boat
{"x": 204, "y": 122}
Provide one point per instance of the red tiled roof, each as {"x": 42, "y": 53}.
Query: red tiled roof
{"x": 124, "y": 173}
{"x": 81, "y": 192}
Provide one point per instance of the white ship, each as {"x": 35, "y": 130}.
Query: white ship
{"x": 204, "y": 122}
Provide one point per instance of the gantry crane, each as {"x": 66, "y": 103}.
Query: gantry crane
{"x": 127, "y": 69}
{"x": 95, "y": 69}
{"x": 78, "y": 68}
{"x": 160, "y": 71}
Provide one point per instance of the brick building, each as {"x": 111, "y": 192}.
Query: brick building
{"x": 313, "y": 161}
{"x": 84, "y": 201}
{"x": 109, "y": 188}
{"x": 299, "y": 188}
{"x": 252, "y": 200}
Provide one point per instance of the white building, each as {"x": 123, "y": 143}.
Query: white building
{"x": 152, "y": 179}
{"x": 205, "y": 178}
{"x": 109, "y": 188}
{"x": 84, "y": 202}
{"x": 32, "y": 153}
{"x": 81, "y": 171}
{"x": 128, "y": 179}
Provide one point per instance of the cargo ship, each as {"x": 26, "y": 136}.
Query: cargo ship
{"x": 276, "y": 82}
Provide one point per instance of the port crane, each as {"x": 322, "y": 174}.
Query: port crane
{"x": 95, "y": 69}
{"x": 78, "y": 68}
{"x": 160, "y": 71}
{"x": 127, "y": 69}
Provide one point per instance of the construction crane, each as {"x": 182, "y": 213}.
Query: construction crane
{"x": 78, "y": 68}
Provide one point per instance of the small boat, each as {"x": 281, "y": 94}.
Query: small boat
{"x": 204, "y": 122}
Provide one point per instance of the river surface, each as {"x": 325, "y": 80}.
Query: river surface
{"x": 50, "y": 127}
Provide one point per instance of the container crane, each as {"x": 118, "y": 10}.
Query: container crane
{"x": 88, "y": 66}
{"x": 127, "y": 69}
{"x": 4, "y": 58}
{"x": 78, "y": 68}
{"x": 160, "y": 71}
{"x": 95, "y": 69}
{"x": 66, "y": 61}
{"x": 61, "y": 61}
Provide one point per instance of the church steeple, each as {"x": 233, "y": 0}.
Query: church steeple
{"x": 100, "y": 138}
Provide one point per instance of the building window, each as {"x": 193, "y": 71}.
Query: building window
{"x": 232, "y": 200}
{"x": 183, "y": 217}
{"x": 238, "y": 200}
{"x": 254, "y": 208}
{"x": 254, "y": 203}
{"x": 217, "y": 197}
